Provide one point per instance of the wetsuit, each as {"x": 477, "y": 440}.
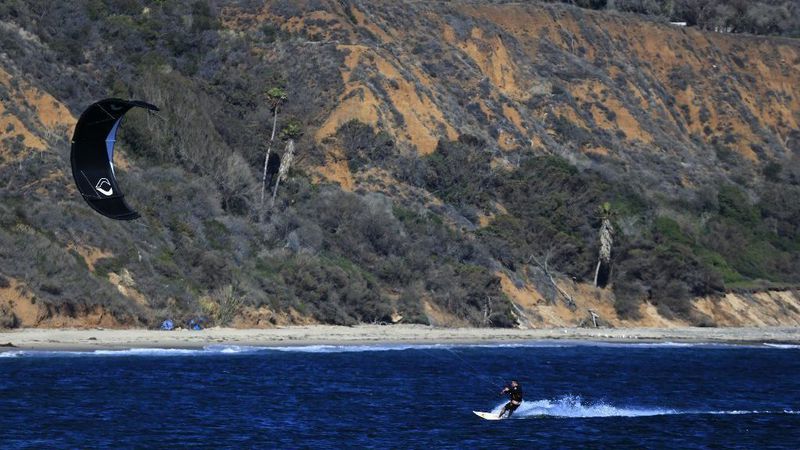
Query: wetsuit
{"x": 515, "y": 399}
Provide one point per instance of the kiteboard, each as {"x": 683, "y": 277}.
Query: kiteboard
{"x": 488, "y": 415}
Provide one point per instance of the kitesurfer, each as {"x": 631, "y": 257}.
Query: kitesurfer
{"x": 514, "y": 392}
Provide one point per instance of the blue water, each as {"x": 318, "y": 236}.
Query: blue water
{"x": 576, "y": 396}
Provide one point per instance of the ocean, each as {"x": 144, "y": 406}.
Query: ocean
{"x": 577, "y": 395}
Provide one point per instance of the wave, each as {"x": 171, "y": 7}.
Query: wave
{"x": 212, "y": 349}
{"x": 208, "y": 350}
{"x": 349, "y": 348}
{"x": 571, "y": 406}
{"x": 679, "y": 344}
{"x": 525, "y": 344}
{"x": 225, "y": 349}
{"x": 323, "y": 348}
{"x": 745, "y": 412}
{"x": 704, "y": 345}
{"x": 672, "y": 344}
{"x": 357, "y": 348}
{"x": 782, "y": 346}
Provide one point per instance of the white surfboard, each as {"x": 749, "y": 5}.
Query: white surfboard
{"x": 487, "y": 415}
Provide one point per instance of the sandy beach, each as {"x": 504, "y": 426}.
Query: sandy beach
{"x": 91, "y": 339}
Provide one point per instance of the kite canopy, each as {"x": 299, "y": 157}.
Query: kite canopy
{"x": 92, "y": 156}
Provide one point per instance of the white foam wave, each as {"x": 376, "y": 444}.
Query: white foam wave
{"x": 745, "y": 412}
{"x": 783, "y": 346}
{"x": 356, "y": 348}
{"x": 704, "y": 345}
{"x": 571, "y": 406}
{"x": 145, "y": 352}
{"x": 211, "y": 349}
{"x": 208, "y": 350}
{"x": 347, "y": 348}
{"x": 222, "y": 349}
{"x": 669, "y": 344}
{"x": 232, "y": 349}
{"x": 678, "y": 344}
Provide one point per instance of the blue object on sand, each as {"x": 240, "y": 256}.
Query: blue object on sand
{"x": 196, "y": 324}
{"x": 167, "y": 325}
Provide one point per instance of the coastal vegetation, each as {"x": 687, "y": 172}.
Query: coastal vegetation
{"x": 431, "y": 167}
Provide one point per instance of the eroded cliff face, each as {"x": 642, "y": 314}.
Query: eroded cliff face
{"x": 665, "y": 108}
{"x": 601, "y": 89}
{"x": 595, "y": 307}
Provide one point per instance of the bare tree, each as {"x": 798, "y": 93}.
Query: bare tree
{"x": 541, "y": 261}
{"x": 276, "y": 96}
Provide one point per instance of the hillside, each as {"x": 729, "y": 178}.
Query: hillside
{"x": 456, "y": 161}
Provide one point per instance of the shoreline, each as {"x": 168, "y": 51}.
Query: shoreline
{"x": 121, "y": 339}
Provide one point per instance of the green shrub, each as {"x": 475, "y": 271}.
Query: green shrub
{"x": 734, "y": 204}
{"x": 104, "y": 266}
{"x": 668, "y": 230}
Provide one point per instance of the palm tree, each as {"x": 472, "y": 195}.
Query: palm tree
{"x": 291, "y": 131}
{"x": 601, "y": 273}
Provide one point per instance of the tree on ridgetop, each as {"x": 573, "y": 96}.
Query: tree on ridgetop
{"x": 275, "y": 96}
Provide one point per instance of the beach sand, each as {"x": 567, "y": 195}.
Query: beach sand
{"x": 97, "y": 338}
